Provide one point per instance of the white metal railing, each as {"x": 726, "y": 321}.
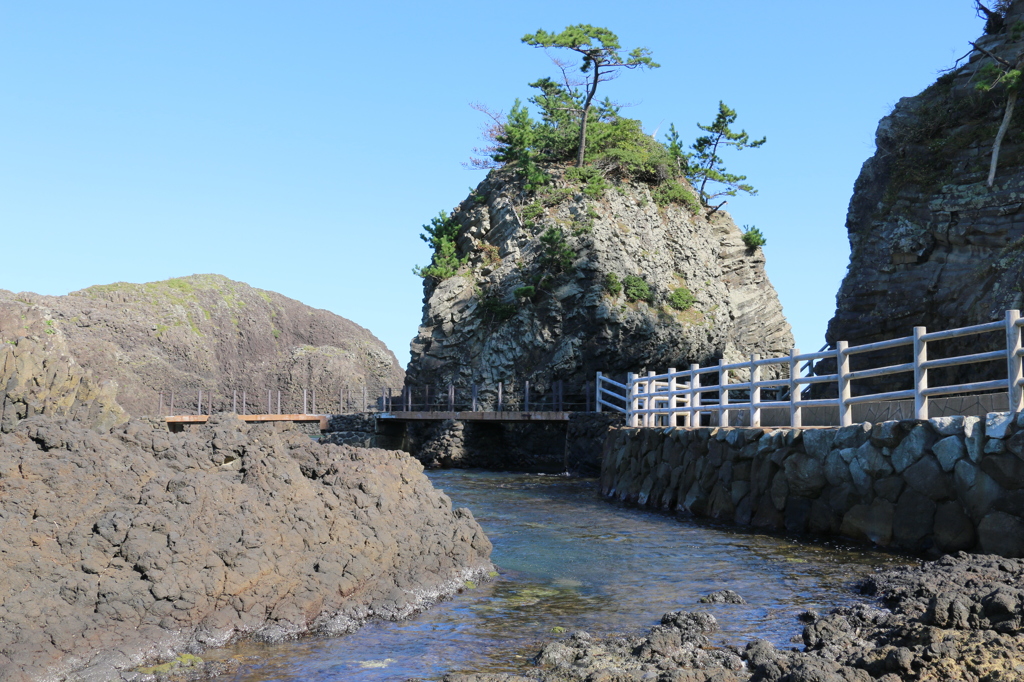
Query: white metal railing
{"x": 678, "y": 398}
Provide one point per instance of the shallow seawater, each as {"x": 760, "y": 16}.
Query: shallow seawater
{"x": 568, "y": 559}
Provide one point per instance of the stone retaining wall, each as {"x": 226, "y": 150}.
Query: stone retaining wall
{"x": 941, "y": 485}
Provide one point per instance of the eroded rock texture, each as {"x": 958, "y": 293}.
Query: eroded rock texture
{"x": 206, "y": 332}
{"x": 931, "y": 244}
{"x": 954, "y": 619}
{"x": 477, "y": 329}
{"x": 125, "y": 548}
{"x": 39, "y": 375}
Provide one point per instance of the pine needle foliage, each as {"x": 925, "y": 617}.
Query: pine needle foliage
{"x": 441, "y": 233}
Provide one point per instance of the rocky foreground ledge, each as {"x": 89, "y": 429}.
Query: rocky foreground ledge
{"x": 127, "y": 548}
{"x": 958, "y": 618}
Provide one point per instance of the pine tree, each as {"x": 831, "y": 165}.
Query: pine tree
{"x": 705, "y": 165}
{"x": 602, "y": 58}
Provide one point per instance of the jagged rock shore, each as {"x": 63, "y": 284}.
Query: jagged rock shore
{"x": 129, "y": 547}
{"x": 958, "y": 618}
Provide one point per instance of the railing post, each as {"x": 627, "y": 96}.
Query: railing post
{"x": 843, "y": 372}
{"x": 795, "y": 411}
{"x": 314, "y": 400}
{"x": 632, "y": 404}
{"x": 694, "y": 395}
{"x": 650, "y": 419}
{"x": 920, "y": 373}
{"x": 597, "y": 392}
{"x": 304, "y": 402}
{"x": 475, "y": 394}
{"x": 672, "y": 421}
{"x": 199, "y": 405}
{"x": 268, "y": 402}
{"x": 526, "y": 396}
{"x": 171, "y": 407}
{"x": 245, "y": 405}
{"x": 723, "y": 394}
{"x": 1013, "y": 362}
{"x": 500, "y": 396}
{"x": 234, "y": 402}
{"x": 451, "y": 397}
{"x": 755, "y": 391}
{"x": 279, "y": 402}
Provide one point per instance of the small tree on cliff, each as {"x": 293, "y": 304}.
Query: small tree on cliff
{"x": 602, "y": 61}
{"x": 705, "y": 165}
{"x": 1000, "y": 72}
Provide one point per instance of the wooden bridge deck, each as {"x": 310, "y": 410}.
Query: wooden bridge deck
{"x": 476, "y": 416}
{"x": 203, "y": 418}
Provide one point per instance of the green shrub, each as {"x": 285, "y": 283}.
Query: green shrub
{"x": 534, "y": 210}
{"x": 526, "y": 292}
{"x": 496, "y": 308}
{"x": 594, "y": 184}
{"x": 636, "y": 289}
{"x": 752, "y": 237}
{"x": 558, "y": 255}
{"x": 672, "y": 192}
{"x": 612, "y": 284}
{"x": 441, "y": 233}
{"x": 681, "y": 299}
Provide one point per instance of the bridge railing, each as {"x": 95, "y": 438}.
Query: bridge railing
{"x": 680, "y": 398}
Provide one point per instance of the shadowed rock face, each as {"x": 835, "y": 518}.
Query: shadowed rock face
{"x": 930, "y": 243}
{"x": 211, "y": 333}
{"x": 574, "y": 327}
{"x": 124, "y": 548}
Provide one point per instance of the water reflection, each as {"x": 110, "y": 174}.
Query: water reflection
{"x": 569, "y": 561}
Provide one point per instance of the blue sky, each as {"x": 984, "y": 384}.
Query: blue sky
{"x": 300, "y": 146}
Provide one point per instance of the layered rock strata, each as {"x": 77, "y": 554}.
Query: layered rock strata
{"x": 942, "y": 485}
{"x": 931, "y": 244}
{"x": 487, "y": 325}
{"x": 126, "y": 548}
{"x": 955, "y": 619}
{"x": 209, "y": 333}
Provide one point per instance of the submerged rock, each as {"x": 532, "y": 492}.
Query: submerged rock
{"x": 125, "y": 549}
{"x": 958, "y": 618}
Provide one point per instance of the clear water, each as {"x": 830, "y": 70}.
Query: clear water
{"x": 569, "y": 559}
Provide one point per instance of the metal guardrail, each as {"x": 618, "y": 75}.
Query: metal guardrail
{"x": 665, "y": 399}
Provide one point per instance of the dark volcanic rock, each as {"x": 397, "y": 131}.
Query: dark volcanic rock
{"x": 208, "y": 332}
{"x": 477, "y": 329}
{"x": 126, "y": 548}
{"x": 958, "y": 618}
{"x": 931, "y": 244}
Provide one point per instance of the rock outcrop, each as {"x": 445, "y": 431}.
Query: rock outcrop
{"x": 39, "y": 375}
{"x": 931, "y": 244}
{"x": 209, "y": 333}
{"x": 127, "y": 548}
{"x": 954, "y": 619}
{"x": 486, "y": 325}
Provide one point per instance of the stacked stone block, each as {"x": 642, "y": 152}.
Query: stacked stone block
{"x": 935, "y": 486}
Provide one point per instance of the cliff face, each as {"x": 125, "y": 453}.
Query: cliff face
{"x": 211, "y": 333}
{"x": 477, "y": 328}
{"x": 931, "y": 244}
